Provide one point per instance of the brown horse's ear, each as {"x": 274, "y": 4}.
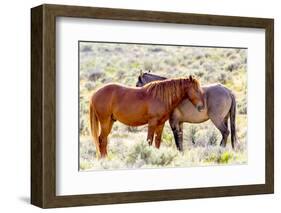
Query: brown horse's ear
{"x": 190, "y": 78}
{"x": 141, "y": 73}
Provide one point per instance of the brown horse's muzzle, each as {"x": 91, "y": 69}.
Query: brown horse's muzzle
{"x": 201, "y": 104}
{"x": 200, "y": 108}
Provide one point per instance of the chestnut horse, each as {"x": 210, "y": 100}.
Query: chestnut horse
{"x": 133, "y": 106}
{"x": 220, "y": 106}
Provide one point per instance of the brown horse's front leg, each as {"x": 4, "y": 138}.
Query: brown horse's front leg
{"x": 150, "y": 134}
{"x": 158, "y": 132}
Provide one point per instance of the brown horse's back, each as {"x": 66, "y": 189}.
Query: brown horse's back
{"x": 125, "y": 104}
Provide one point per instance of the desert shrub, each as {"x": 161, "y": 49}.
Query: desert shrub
{"x": 199, "y": 74}
{"x": 208, "y": 67}
{"x": 85, "y": 165}
{"x": 170, "y": 61}
{"x": 222, "y": 78}
{"x": 242, "y": 106}
{"x": 212, "y": 138}
{"x": 232, "y": 67}
{"x": 89, "y": 86}
{"x": 95, "y": 74}
{"x": 109, "y": 164}
{"x": 167, "y": 136}
{"x": 140, "y": 154}
{"x": 162, "y": 157}
{"x": 132, "y": 129}
{"x": 192, "y": 132}
{"x": 139, "y": 151}
{"x": 86, "y": 48}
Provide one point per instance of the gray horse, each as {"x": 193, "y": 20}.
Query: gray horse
{"x": 220, "y": 104}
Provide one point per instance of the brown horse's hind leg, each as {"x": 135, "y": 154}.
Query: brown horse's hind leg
{"x": 158, "y": 132}
{"x": 222, "y": 125}
{"x": 105, "y": 130}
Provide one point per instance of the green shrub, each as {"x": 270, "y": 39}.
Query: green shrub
{"x": 225, "y": 157}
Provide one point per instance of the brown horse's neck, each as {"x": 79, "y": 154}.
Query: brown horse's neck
{"x": 170, "y": 92}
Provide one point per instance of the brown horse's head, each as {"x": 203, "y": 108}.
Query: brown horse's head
{"x": 195, "y": 94}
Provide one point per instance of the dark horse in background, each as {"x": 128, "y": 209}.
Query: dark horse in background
{"x": 151, "y": 104}
{"x": 220, "y": 106}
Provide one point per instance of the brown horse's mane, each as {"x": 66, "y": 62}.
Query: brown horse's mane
{"x": 170, "y": 89}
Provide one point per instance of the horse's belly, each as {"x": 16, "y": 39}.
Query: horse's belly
{"x": 195, "y": 117}
{"x": 130, "y": 119}
{"x": 133, "y": 123}
{"x": 188, "y": 113}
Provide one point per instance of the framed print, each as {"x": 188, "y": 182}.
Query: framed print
{"x": 136, "y": 106}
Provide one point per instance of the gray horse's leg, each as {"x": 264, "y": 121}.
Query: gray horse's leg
{"x": 177, "y": 129}
{"x": 222, "y": 125}
{"x": 180, "y": 136}
{"x": 225, "y": 135}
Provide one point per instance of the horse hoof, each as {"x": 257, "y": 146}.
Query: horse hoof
{"x": 223, "y": 144}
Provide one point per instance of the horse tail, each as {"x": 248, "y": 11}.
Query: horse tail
{"x": 95, "y": 127}
{"x": 232, "y": 120}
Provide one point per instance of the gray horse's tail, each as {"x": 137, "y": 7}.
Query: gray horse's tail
{"x": 232, "y": 120}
